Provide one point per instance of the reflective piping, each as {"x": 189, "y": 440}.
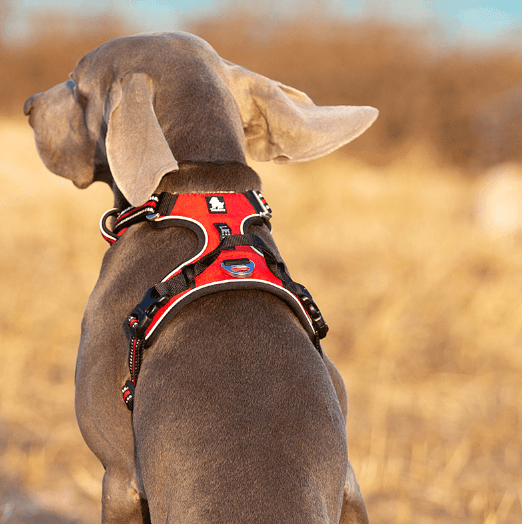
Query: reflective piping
{"x": 199, "y": 288}
{"x": 187, "y": 219}
{"x": 265, "y": 207}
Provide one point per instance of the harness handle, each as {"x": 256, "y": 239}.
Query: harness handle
{"x": 186, "y": 278}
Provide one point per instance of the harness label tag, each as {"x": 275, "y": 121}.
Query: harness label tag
{"x": 223, "y": 230}
{"x": 216, "y": 204}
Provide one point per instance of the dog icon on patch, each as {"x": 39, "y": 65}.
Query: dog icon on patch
{"x": 216, "y": 204}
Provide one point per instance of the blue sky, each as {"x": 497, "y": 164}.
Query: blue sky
{"x": 462, "y": 20}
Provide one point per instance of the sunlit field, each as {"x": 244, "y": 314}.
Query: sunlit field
{"x": 424, "y": 307}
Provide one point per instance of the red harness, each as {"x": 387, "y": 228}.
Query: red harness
{"x": 227, "y": 258}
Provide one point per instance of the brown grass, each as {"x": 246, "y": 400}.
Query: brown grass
{"x": 424, "y": 309}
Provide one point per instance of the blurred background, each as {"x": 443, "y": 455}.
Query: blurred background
{"x": 409, "y": 239}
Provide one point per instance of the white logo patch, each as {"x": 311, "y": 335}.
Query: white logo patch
{"x": 216, "y": 204}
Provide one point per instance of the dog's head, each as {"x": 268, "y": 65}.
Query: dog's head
{"x": 136, "y": 106}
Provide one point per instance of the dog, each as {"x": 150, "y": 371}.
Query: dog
{"x": 237, "y": 416}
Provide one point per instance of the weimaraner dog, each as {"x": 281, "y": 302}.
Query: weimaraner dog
{"x": 238, "y": 416}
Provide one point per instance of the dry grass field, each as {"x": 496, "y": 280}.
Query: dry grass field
{"x": 425, "y": 324}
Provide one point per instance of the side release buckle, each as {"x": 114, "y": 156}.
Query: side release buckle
{"x": 143, "y": 314}
{"x": 318, "y": 322}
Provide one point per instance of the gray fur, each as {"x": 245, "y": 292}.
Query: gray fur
{"x": 237, "y": 418}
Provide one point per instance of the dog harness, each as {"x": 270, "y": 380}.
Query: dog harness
{"x": 227, "y": 258}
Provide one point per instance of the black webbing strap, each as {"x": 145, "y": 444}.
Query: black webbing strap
{"x": 185, "y": 279}
{"x": 133, "y": 215}
{"x": 161, "y": 204}
{"x": 166, "y": 203}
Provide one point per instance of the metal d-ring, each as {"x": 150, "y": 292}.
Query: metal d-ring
{"x": 238, "y": 267}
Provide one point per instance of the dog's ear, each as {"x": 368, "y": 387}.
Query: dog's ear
{"x": 284, "y": 125}
{"x": 137, "y": 151}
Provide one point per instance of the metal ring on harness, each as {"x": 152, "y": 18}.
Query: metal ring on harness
{"x": 105, "y": 231}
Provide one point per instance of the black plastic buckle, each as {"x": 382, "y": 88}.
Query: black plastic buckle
{"x": 145, "y": 311}
{"x": 320, "y": 326}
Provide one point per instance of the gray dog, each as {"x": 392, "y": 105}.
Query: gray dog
{"x": 238, "y": 415}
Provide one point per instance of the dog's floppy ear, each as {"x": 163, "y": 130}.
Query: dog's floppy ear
{"x": 284, "y": 125}
{"x": 137, "y": 151}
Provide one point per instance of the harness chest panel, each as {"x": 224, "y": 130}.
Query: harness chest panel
{"x": 227, "y": 258}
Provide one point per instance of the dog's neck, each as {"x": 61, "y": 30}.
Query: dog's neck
{"x": 205, "y": 177}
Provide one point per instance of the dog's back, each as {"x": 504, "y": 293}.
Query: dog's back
{"x": 248, "y": 418}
